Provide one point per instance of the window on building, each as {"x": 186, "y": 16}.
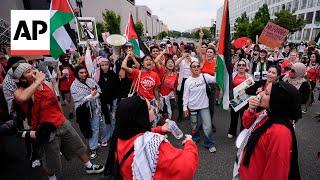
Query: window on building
{"x": 317, "y": 18}
{"x": 301, "y": 16}
{"x": 131, "y": 1}
{"x": 306, "y": 34}
{"x": 303, "y": 4}
{"x": 309, "y": 17}
{"x": 295, "y": 5}
{"x": 318, "y": 4}
{"x": 310, "y": 2}
{"x": 315, "y": 32}
{"x": 298, "y": 35}
{"x": 288, "y": 6}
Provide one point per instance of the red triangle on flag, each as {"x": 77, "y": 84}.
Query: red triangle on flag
{"x": 130, "y": 31}
{"x": 60, "y": 5}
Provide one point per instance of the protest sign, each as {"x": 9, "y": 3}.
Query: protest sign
{"x": 240, "y": 96}
{"x": 273, "y": 35}
{"x": 87, "y": 30}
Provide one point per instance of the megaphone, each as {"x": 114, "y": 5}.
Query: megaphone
{"x": 116, "y": 40}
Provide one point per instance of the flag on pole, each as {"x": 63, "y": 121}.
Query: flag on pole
{"x": 139, "y": 48}
{"x": 224, "y": 72}
{"x": 62, "y": 36}
{"x": 317, "y": 40}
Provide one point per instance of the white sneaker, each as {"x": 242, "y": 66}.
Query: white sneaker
{"x": 36, "y": 163}
{"x": 212, "y": 149}
{"x": 230, "y": 136}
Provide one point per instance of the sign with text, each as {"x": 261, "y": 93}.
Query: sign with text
{"x": 30, "y": 32}
{"x": 273, "y": 35}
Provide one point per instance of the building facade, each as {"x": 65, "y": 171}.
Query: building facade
{"x": 309, "y": 10}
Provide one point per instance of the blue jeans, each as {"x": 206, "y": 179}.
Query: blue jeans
{"x": 99, "y": 131}
{"x": 110, "y": 127}
{"x": 198, "y": 118}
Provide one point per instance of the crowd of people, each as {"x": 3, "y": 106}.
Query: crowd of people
{"x": 122, "y": 101}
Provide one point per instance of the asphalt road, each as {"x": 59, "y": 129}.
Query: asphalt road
{"x": 212, "y": 166}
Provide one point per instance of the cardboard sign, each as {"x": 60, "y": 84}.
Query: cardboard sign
{"x": 240, "y": 96}
{"x": 273, "y": 35}
{"x": 87, "y": 30}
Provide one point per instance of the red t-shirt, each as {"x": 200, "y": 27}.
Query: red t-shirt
{"x": 49, "y": 108}
{"x": 271, "y": 157}
{"x": 148, "y": 82}
{"x": 312, "y": 74}
{"x": 238, "y": 80}
{"x": 169, "y": 83}
{"x": 66, "y": 82}
{"x": 209, "y": 67}
{"x": 171, "y": 164}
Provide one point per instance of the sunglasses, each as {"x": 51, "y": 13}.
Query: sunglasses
{"x": 243, "y": 65}
{"x": 195, "y": 66}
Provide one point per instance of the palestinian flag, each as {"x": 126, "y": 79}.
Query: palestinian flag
{"x": 317, "y": 40}
{"x": 224, "y": 72}
{"x": 139, "y": 48}
{"x": 62, "y": 36}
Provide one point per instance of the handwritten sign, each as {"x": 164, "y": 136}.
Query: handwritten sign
{"x": 273, "y": 35}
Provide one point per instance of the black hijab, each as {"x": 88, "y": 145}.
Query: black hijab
{"x": 132, "y": 118}
{"x": 284, "y": 106}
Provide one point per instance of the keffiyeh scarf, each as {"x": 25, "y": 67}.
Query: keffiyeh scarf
{"x": 146, "y": 154}
{"x": 80, "y": 90}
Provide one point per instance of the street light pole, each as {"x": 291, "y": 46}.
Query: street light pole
{"x": 79, "y": 5}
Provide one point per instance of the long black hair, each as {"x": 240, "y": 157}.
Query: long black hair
{"x": 284, "y": 106}
{"x": 132, "y": 118}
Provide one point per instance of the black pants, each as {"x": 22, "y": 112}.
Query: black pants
{"x": 234, "y": 120}
{"x": 212, "y": 102}
{"x": 180, "y": 99}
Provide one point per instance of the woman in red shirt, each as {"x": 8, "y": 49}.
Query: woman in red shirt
{"x": 151, "y": 156}
{"x": 208, "y": 65}
{"x": 313, "y": 75}
{"x": 145, "y": 82}
{"x": 238, "y": 77}
{"x": 169, "y": 83}
{"x": 269, "y": 147}
{"x": 66, "y": 79}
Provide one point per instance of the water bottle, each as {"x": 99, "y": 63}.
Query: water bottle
{"x": 174, "y": 129}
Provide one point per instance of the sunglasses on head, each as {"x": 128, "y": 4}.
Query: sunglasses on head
{"x": 243, "y": 65}
{"x": 195, "y": 66}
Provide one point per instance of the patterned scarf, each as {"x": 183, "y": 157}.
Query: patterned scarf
{"x": 80, "y": 90}
{"x": 146, "y": 154}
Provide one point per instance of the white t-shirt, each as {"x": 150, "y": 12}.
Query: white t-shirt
{"x": 185, "y": 71}
{"x": 195, "y": 95}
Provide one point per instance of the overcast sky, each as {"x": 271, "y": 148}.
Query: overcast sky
{"x": 183, "y": 15}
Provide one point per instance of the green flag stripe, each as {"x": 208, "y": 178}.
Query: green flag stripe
{"x": 136, "y": 48}
{"x": 59, "y": 19}
{"x": 55, "y": 49}
{"x": 220, "y": 72}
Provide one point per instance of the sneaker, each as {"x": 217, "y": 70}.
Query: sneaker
{"x": 36, "y": 163}
{"x": 104, "y": 144}
{"x": 93, "y": 154}
{"x": 212, "y": 149}
{"x": 230, "y": 136}
{"x": 95, "y": 169}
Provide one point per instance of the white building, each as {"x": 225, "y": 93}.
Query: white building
{"x": 309, "y": 10}
{"x": 144, "y": 15}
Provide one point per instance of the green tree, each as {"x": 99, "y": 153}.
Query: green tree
{"x": 186, "y": 34}
{"x": 241, "y": 26}
{"x": 100, "y": 30}
{"x": 139, "y": 28}
{"x": 174, "y": 34}
{"x": 207, "y": 34}
{"x": 213, "y": 30}
{"x": 259, "y": 21}
{"x": 111, "y": 22}
{"x": 162, "y": 35}
{"x": 287, "y": 20}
